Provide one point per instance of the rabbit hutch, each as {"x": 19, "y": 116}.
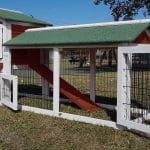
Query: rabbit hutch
{"x": 94, "y": 73}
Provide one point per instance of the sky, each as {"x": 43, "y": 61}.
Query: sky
{"x": 62, "y": 12}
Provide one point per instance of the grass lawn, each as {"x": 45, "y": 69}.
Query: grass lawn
{"x": 29, "y": 131}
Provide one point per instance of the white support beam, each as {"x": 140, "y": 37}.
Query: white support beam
{"x": 6, "y": 60}
{"x": 56, "y": 79}
{"x": 124, "y": 84}
{"x": 121, "y": 90}
{"x": 92, "y": 74}
{"x": 5, "y": 57}
{"x": 135, "y": 48}
{"x": 127, "y": 84}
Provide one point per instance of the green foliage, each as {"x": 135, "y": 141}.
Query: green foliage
{"x": 126, "y": 9}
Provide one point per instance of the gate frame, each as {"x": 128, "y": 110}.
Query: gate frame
{"x": 13, "y": 92}
{"x": 123, "y": 118}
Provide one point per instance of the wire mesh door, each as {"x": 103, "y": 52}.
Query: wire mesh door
{"x": 33, "y": 89}
{"x": 75, "y": 68}
{"x": 133, "y": 108}
{"x": 9, "y": 91}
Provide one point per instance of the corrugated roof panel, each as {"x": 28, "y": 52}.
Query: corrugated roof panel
{"x": 20, "y": 17}
{"x": 83, "y": 35}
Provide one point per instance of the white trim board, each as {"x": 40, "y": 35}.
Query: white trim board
{"x": 136, "y": 48}
{"x": 136, "y": 126}
{"x": 73, "y": 117}
{"x": 90, "y": 25}
{"x": 16, "y": 11}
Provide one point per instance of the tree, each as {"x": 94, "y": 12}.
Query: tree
{"x": 126, "y": 9}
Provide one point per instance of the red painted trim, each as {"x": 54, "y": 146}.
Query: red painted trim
{"x": 18, "y": 29}
{"x": 1, "y": 66}
{"x": 23, "y": 56}
{"x": 142, "y": 39}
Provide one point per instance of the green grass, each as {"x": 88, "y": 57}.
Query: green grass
{"x": 34, "y": 102}
{"x": 106, "y": 83}
{"x": 29, "y": 131}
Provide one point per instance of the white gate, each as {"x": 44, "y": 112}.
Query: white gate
{"x": 133, "y": 96}
{"x": 9, "y": 91}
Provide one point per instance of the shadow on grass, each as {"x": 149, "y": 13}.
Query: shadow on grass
{"x": 106, "y": 100}
{"x": 30, "y": 89}
{"x": 35, "y": 89}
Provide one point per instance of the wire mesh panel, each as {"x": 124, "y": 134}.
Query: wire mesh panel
{"x": 106, "y": 76}
{"x": 9, "y": 91}
{"x": 75, "y": 69}
{"x": 140, "y": 88}
{"x": 133, "y": 107}
{"x": 31, "y": 88}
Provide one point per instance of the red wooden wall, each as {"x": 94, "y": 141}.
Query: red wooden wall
{"x": 143, "y": 39}
{"x": 18, "y": 29}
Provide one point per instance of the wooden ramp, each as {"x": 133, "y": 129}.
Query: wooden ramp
{"x": 66, "y": 89}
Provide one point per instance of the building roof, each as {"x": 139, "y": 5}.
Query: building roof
{"x": 124, "y": 32}
{"x": 11, "y": 15}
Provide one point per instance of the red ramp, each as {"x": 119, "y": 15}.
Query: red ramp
{"x": 66, "y": 89}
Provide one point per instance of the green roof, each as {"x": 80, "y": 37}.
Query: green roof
{"x": 20, "y": 17}
{"x": 121, "y": 33}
